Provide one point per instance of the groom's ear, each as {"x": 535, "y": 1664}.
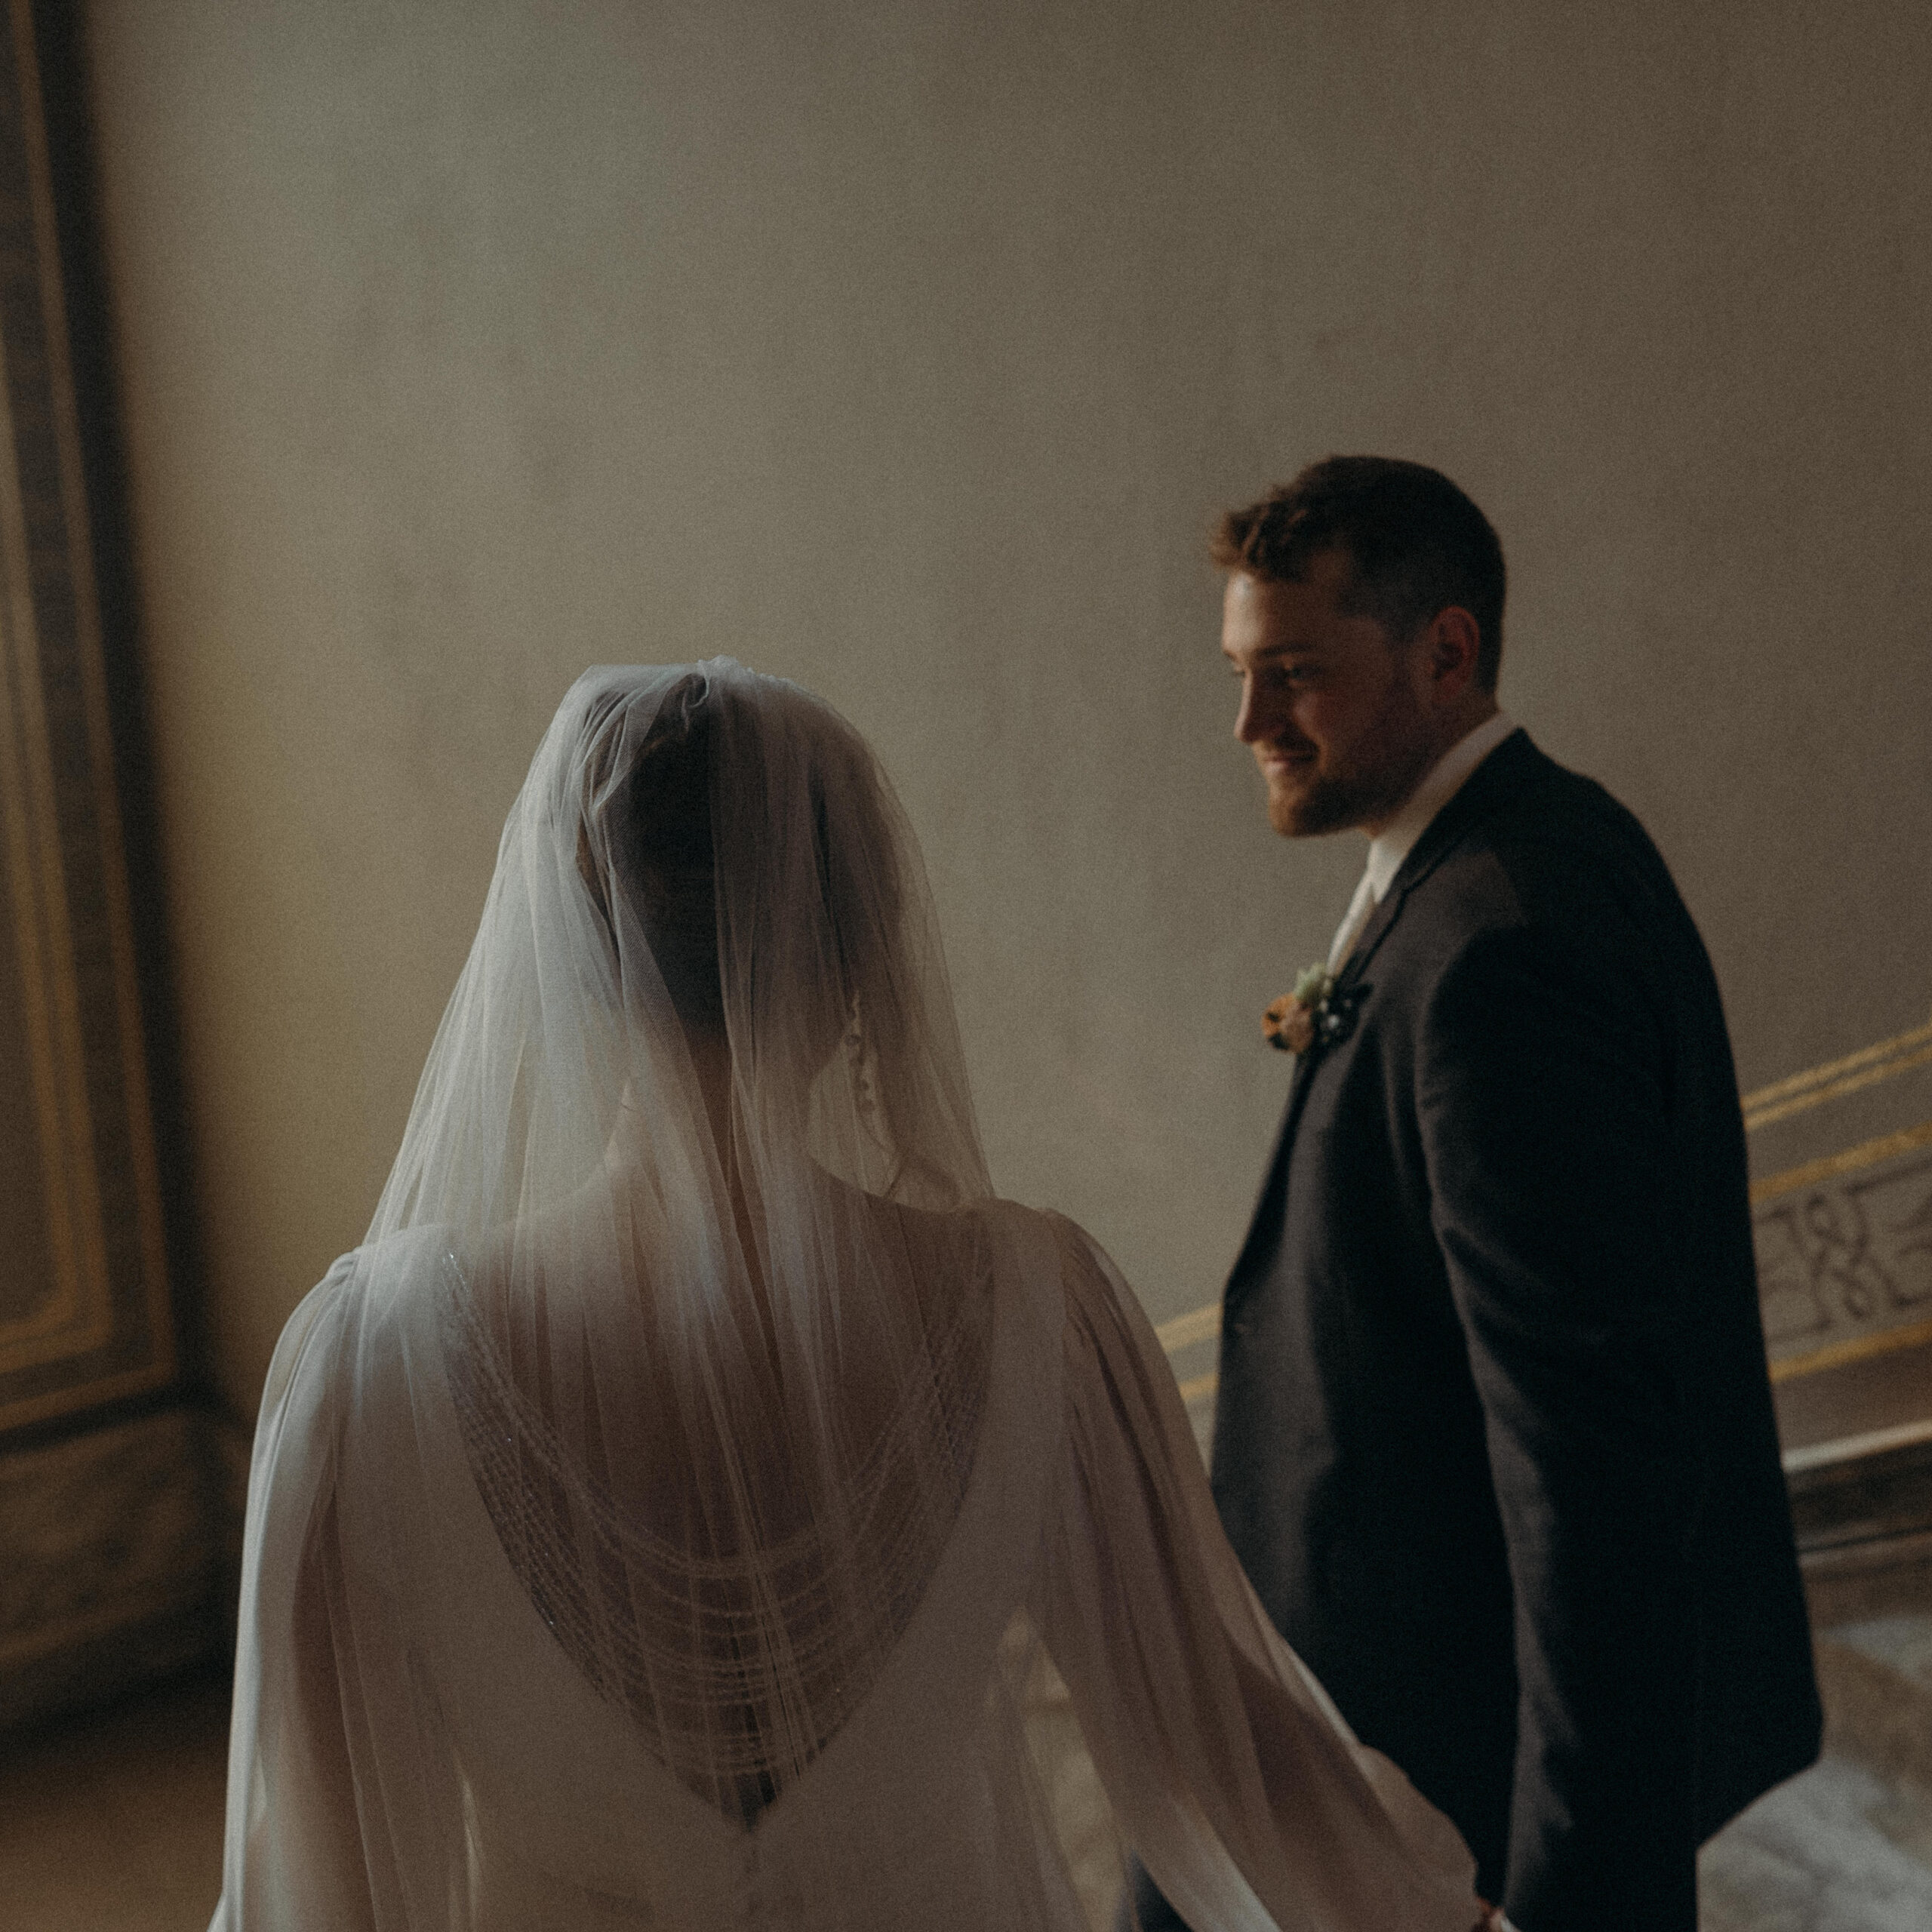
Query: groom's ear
{"x": 1449, "y": 650}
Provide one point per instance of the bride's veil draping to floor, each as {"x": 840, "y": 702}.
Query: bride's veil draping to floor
{"x": 597, "y": 1495}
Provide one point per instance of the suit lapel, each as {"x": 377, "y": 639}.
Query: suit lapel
{"x": 1497, "y": 779}
{"x": 1499, "y": 776}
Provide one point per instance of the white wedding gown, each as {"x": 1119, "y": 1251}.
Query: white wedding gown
{"x": 605, "y": 1569}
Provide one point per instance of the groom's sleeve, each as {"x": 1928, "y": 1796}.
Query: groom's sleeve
{"x": 1541, "y": 1086}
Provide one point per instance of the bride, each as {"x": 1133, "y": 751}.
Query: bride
{"x": 666, "y": 1516}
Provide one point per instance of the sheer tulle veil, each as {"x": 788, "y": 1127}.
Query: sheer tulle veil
{"x": 695, "y": 848}
{"x": 691, "y": 1128}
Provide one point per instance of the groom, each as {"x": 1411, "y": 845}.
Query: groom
{"x": 1494, "y": 1439}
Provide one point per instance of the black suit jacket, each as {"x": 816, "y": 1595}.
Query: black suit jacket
{"x": 1494, "y": 1439}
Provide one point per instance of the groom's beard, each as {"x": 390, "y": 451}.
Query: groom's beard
{"x": 1369, "y": 786}
{"x": 1324, "y": 803}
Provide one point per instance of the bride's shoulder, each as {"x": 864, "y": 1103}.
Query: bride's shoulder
{"x": 376, "y": 1281}
{"x": 1038, "y": 1240}
{"x": 370, "y": 1289}
{"x": 1103, "y": 1313}
{"x": 1069, "y": 1271}
{"x": 1041, "y": 1236}
{"x": 1085, "y": 1265}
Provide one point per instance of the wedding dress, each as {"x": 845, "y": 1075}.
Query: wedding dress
{"x": 667, "y": 1516}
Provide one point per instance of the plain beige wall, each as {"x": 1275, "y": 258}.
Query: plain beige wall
{"x": 907, "y": 350}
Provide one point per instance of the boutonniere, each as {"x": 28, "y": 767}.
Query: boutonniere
{"x": 1316, "y": 1014}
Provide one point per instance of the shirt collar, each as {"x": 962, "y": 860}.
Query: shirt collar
{"x": 1397, "y": 839}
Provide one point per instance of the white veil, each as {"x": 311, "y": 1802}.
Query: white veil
{"x": 697, "y": 1083}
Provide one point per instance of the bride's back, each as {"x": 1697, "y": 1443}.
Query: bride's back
{"x": 805, "y": 1521}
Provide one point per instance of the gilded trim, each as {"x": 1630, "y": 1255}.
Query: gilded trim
{"x": 109, "y": 1293}
{"x": 78, "y": 1315}
{"x": 91, "y": 660}
{"x": 1199, "y": 1325}
{"x": 1762, "y": 1098}
{"x": 1833, "y": 1090}
{"x": 1855, "y": 1347}
{"x": 1866, "y": 1154}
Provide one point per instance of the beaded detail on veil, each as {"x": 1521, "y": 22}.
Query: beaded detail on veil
{"x": 676, "y": 1637}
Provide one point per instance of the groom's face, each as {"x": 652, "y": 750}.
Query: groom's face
{"x": 1330, "y": 706}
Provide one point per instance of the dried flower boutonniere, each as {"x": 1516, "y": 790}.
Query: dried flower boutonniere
{"x": 1315, "y": 1012}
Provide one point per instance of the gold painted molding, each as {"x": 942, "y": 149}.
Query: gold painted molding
{"x": 76, "y": 1316}
{"x": 104, "y": 1329}
{"x": 1867, "y": 1153}
{"x": 1184, "y": 1330}
{"x": 1797, "y": 1092}
{"x": 1761, "y": 1098}
{"x": 1853, "y": 1348}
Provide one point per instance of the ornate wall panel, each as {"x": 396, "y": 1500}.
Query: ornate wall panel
{"x": 83, "y": 1304}
{"x": 116, "y": 1552}
{"x": 1842, "y": 1205}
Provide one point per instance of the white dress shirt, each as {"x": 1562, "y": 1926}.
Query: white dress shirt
{"x": 1397, "y": 839}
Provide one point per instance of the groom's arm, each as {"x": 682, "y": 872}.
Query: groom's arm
{"x": 1541, "y": 1088}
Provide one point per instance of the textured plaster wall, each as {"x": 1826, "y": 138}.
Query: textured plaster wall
{"x": 907, "y": 349}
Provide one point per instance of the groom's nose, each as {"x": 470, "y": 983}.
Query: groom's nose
{"x": 1257, "y": 720}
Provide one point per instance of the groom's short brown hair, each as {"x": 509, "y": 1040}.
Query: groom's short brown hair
{"x": 1416, "y": 544}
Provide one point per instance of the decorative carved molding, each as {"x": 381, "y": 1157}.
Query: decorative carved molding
{"x": 1844, "y": 1262}
{"x": 1844, "y": 1245}
{"x": 84, "y": 1314}
{"x": 116, "y": 1541}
